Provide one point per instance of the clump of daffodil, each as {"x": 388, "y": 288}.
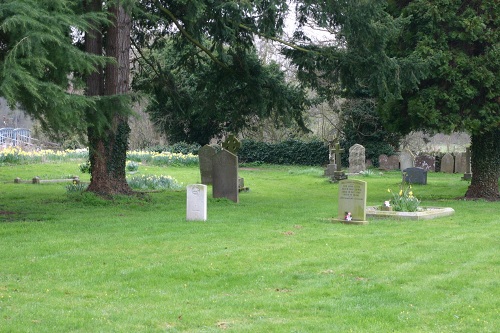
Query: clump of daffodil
{"x": 404, "y": 200}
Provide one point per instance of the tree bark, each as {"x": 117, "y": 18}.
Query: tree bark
{"x": 485, "y": 166}
{"x": 108, "y": 139}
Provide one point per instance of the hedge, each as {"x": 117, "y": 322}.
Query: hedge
{"x": 292, "y": 152}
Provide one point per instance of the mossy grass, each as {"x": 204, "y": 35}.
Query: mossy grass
{"x": 272, "y": 263}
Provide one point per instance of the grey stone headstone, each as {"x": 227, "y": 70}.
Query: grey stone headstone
{"x": 447, "y": 163}
{"x": 393, "y": 162}
{"x": 225, "y": 176}
{"x": 415, "y": 176}
{"x": 206, "y": 155}
{"x": 383, "y": 162}
{"x": 426, "y": 162}
{"x": 330, "y": 170}
{"x": 460, "y": 163}
{"x": 357, "y": 158}
{"x": 406, "y": 159}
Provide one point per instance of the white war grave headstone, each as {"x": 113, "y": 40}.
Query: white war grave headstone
{"x": 352, "y": 202}
{"x": 196, "y": 202}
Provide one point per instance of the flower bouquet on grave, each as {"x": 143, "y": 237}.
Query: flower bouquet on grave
{"x": 386, "y": 206}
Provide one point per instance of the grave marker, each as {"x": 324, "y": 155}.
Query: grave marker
{"x": 426, "y": 162}
{"x": 206, "y": 156}
{"x": 352, "y": 202}
{"x": 357, "y": 158}
{"x": 447, "y": 163}
{"x": 196, "y": 202}
{"x": 415, "y": 176}
{"x": 406, "y": 159}
{"x": 225, "y": 176}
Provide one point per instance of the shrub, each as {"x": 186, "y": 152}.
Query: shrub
{"x": 153, "y": 182}
{"x": 286, "y": 152}
{"x": 132, "y": 166}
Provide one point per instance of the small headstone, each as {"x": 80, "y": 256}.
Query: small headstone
{"x": 406, "y": 159}
{"x": 447, "y": 163}
{"x": 415, "y": 176}
{"x": 426, "y": 162}
{"x": 231, "y": 144}
{"x": 393, "y": 162}
{"x": 382, "y": 162}
{"x": 468, "y": 170}
{"x": 225, "y": 176}
{"x": 332, "y": 166}
{"x": 196, "y": 205}
{"x": 206, "y": 156}
{"x": 460, "y": 163}
{"x": 352, "y": 202}
{"x": 357, "y": 159}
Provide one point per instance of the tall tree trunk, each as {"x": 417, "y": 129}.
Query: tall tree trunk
{"x": 108, "y": 129}
{"x": 485, "y": 163}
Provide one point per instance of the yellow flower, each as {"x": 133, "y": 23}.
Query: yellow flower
{"x": 400, "y": 192}
{"x": 389, "y": 190}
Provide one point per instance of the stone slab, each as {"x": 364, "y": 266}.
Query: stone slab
{"x": 427, "y": 213}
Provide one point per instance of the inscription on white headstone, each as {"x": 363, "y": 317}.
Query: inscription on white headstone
{"x": 196, "y": 202}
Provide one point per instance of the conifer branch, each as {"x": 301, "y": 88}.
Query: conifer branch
{"x": 187, "y": 35}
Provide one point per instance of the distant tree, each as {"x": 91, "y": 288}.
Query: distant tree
{"x": 360, "y": 123}
{"x": 431, "y": 65}
{"x": 458, "y": 45}
{"x": 195, "y": 99}
{"x": 199, "y": 64}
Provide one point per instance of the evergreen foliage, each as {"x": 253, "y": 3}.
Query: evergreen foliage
{"x": 205, "y": 77}
{"x": 40, "y": 67}
{"x": 290, "y": 152}
{"x": 360, "y": 123}
{"x": 431, "y": 65}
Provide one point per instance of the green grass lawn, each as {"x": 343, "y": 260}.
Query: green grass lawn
{"x": 272, "y": 263}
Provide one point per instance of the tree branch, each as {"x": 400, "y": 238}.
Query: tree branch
{"x": 187, "y": 35}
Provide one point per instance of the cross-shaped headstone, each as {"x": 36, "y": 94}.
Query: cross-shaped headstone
{"x": 231, "y": 144}
{"x": 338, "y": 153}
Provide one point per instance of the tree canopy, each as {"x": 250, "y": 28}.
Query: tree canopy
{"x": 200, "y": 65}
{"x": 431, "y": 65}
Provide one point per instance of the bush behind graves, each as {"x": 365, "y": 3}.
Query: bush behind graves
{"x": 288, "y": 152}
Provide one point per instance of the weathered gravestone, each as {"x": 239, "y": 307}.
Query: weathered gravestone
{"x": 352, "y": 202}
{"x": 415, "y": 176}
{"x": 460, "y": 163}
{"x": 232, "y": 144}
{"x": 406, "y": 159}
{"x": 225, "y": 176}
{"x": 468, "y": 171}
{"x": 393, "y": 162}
{"x": 426, "y": 162}
{"x": 332, "y": 166}
{"x": 196, "y": 202}
{"x": 447, "y": 163}
{"x": 338, "y": 174}
{"x": 206, "y": 156}
{"x": 357, "y": 158}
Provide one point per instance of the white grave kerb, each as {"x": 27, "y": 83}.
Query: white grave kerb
{"x": 196, "y": 205}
